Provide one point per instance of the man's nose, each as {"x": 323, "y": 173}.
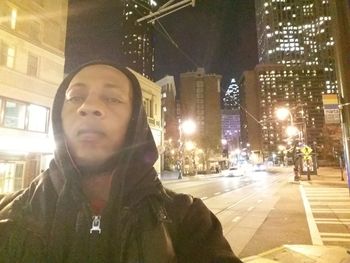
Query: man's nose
{"x": 91, "y": 106}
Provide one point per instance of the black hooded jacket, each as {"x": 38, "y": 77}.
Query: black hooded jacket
{"x": 51, "y": 220}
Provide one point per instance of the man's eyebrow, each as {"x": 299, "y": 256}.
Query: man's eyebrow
{"x": 77, "y": 84}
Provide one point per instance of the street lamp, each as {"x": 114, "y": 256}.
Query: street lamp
{"x": 282, "y": 114}
{"x": 186, "y": 127}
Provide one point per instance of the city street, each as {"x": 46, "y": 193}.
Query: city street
{"x": 263, "y": 210}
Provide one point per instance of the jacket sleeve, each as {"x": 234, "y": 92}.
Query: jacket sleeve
{"x": 200, "y": 238}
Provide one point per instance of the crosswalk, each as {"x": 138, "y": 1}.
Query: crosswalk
{"x": 328, "y": 214}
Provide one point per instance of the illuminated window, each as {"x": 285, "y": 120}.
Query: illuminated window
{"x": 13, "y": 18}
{"x": 32, "y": 65}
{"x": 14, "y": 114}
{"x": 7, "y": 55}
{"x": 11, "y": 174}
{"x": 37, "y": 118}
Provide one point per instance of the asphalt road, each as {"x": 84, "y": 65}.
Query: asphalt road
{"x": 259, "y": 211}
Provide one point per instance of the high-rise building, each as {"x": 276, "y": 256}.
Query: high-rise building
{"x": 32, "y": 41}
{"x": 295, "y": 40}
{"x": 137, "y": 38}
{"x": 231, "y": 97}
{"x": 112, "y": 32}
{"x": 231, "y": 129}
{"x": 250, "y": 112}
{"x": 200, "y": 101}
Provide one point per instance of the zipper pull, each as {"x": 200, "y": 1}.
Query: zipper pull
{"x": 96, "y": 224}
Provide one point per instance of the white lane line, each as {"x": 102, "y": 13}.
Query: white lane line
{"x": 331, "y": 203}
{"x": 250, "y": 208}
{"x": 204, "y": 197}
{"x": 326, "y": 198}
{"x": 328, "y": 210}
{"x": 236, "y": 219}
{"x": 334, "y": 234}
{"x": 259, "y": 201}
{"x": 314, "y": 233}
{"x": 217, "y": 193}
{"x": 331, "y": 239}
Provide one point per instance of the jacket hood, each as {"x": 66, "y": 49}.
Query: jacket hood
{"x": 133, "y": 164}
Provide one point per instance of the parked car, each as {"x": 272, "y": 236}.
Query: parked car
{"x": 233, "y": 171}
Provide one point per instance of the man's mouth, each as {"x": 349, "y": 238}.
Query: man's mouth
{"x": 89, "y": 134}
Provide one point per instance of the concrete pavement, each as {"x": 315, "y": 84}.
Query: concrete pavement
{"x": 322, "y": 235}
{"x": 326, "y": 203}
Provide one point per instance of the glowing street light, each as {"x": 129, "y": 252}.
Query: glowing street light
{"x": 186, "y": 127}
{"x": 292, "y": 131}
{"x": 283, "y": 113}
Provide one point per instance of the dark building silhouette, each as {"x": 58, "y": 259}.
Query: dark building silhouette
{"x": 108, "y": 30}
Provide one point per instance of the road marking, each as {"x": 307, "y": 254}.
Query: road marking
{"x": 334, "y": 203}
{"x": 331, "y": 203}
{"x": 251, "y": 208}
{"x": 236, "y": 219}
{"x": 335, "y": 234}
{"x": 217, "y": 193}
{"x": 259, "y": 201}
{"x": 331, "y": 210}
{"x": 204, "y": 197}
{"x": 314, "y": 233}
{"x": 332, "y": 221}
{"x": 335, "y": 237}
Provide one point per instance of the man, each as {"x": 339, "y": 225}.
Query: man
{"x": 101, "y": 200}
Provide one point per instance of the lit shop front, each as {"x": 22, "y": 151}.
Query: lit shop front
{"x": 25, "y": 146}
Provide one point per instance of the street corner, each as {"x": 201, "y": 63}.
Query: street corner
{"x": 302, "y": 253}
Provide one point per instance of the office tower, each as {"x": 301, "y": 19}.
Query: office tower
{"x": 231, "y": 129}
{"x": 32, "y": 41}
{"x": 295, "y": 40}
{"x": 137, "y": 39}
{"x": 200, "y": 101}
{"x": 250, "y": 130}
{"x": 99, "y": 30}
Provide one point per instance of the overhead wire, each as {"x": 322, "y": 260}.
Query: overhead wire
{"x": 167, "y": 36}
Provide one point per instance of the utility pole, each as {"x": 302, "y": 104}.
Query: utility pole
{"x": 341, "y": 24}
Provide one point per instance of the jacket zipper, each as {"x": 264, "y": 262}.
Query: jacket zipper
{"x": 96, "y": 224}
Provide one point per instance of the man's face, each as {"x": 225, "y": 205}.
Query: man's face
{"x": 96, "y": 114}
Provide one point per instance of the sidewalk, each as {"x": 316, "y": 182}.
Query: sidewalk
{"x": 327, "y": 178}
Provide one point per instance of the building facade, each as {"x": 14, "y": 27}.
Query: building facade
{"x": 137, "y": 38}
{"x": 200, "y": 101}
{"x": 32, "y": 42}
{"x": 250, "y": 114}
{"x": 296, "y": 37}
{"x": 169, "y": 117}
{"x": 151, "y": 97}
{"x": 231, "y": 129}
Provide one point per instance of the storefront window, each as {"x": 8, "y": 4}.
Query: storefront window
{"x": 37, "y": 118}
{"x": 14, "y": 115}
{"x": 11, "y": 175}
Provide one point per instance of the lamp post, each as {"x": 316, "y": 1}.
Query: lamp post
{"x": 282, "y": 113}
{"x": 186, "y": 127}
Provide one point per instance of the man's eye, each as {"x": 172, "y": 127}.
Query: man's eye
{"x": 75, "y": 99}
{"x": 113, "y": 100}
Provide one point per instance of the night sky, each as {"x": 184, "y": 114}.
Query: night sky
{"x": 219, "y": 35}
